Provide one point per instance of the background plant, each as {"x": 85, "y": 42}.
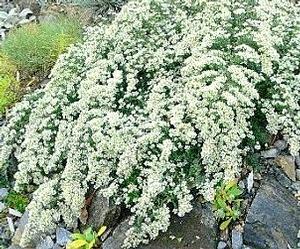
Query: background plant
{"x": 34, "y": 48}
{"x": 9, "y": 86}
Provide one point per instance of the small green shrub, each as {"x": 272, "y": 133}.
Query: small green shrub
{"x": 16, "y": 201}
{"x": 227, "y": 204}
{"x": 86, "y": 240}
{"x": 9, "y": 88}
{"x": 34, "y": 48}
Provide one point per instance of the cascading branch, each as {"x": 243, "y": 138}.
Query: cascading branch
{"x": 152, "y": 106}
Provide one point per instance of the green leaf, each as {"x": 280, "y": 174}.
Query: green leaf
{"x": 76, "y": 236}
{"x": 101, "y": 230}
{"x": 221, "y": 203}
{"x": 230, "y": 184}
{"x": 91, "y": 244}
{"x": 89, "y": 234}
{"x": 76, "y": 244}
{"x": 235, "y": 192}
{"x": 225, "y": 224}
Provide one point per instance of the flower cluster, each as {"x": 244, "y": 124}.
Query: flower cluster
{"x": 153, "y": 105}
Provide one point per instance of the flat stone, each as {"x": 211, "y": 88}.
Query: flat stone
{"x": 250, "y": 182}
{"x": 25, "y": 13}
{"x": 10, "y": 224}
{"x": 3, "y": 193}
{"x": 222, "y": 245}
{"x": 116, "y": 240}
{"x": 57, "y": 246}
{"x": 287, "y": 164}
{"x": 298, "y": 174}
{"x": 63, "y": 236}
{"x": 102, "y": 212}
{"x": 2, "y": 206}
{"x": 46, "y": 243}
{"x": 281, "y": 145}
{"x": 236, "y": 239}
{"x": 242, "y": 185}
{"x": 14, "y": 212}
{"x": 270, "y": 153}
{"x": 18, "y": 234}
{"x": 273, "y": 218}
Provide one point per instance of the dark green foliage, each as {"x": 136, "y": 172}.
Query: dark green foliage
{"x": 16, "y": 201}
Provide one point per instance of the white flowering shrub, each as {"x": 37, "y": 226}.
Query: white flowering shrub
{"x": 152, "y": 106}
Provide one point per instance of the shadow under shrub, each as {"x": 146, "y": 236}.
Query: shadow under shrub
{"x": 35, "y": 47}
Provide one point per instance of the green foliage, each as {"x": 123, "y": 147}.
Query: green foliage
{"x": 227, "y": 203}
{"x": 86, "y": 240}
{"x": 9, "y": 88}
{"x": 254, "y": 161}
{"x": 16, "y": 201}
{"x": 34, "y": 48}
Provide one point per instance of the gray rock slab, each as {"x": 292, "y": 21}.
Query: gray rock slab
{"x": 236, "y": 239}
{"x": 196, "y": 230}
{"x": 3, "y": 193}
{"x": 46, "y": 243}
{"x": 102, "y": 212}
{"x": 270, "y": 153}
{"x": 63, "y": 236}
{"x": 273, "y": 219}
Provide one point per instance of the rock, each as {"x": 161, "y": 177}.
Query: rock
{"x": 298, "y": 174}
{"x": 236, "y": 239}
{"x": 281, "y": 145}
{"x": 56, "y": 246}
{"x": 102, "y": 212}
{"x": 116, "y": 240}
{"x": 281, "y": 177}
{"x": 242, "y": 185}
{"x": 273, "y": 218}
{"x": 3, "y": 15}
{"x": 25, "y": 13}
{"x": 270, "y": 153}
{"x": 222, "y": 245}
{"x": 10, "y": 224}
{"x": 250, "y": 182}
{"x": 2, "y": 206}
{"x": 18, "y": 234}
{"x": 198, "y": 229}
{"x": 24, "y": 21}
{"x": 3, "y": 193}
{"x": 14, "y": 212}
{"x": 46, "y": 243}
{"x": 33, "y": 5}
{"x": 287, "y": 164}
{"x": 15, "y": 247}
{"x": 63, "y": 236}
{"x": 297, "y": 161}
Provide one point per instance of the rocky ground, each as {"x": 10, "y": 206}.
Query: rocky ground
{"x": 271, "y": 215}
